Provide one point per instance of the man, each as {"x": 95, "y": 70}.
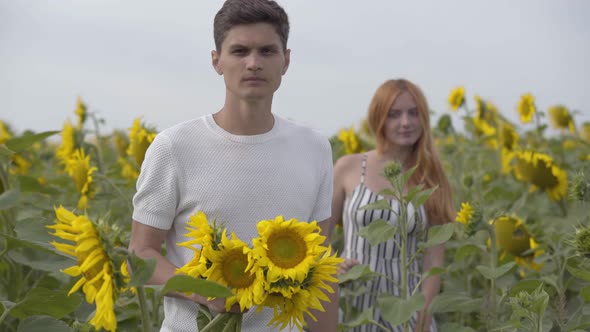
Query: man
{"x": 239, "y": 165}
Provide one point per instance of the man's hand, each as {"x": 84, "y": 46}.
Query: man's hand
{"x": 216, "y": 305}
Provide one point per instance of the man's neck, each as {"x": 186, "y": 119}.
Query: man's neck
{"x": 245, "y": 117}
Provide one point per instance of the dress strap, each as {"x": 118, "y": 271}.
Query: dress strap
{"x": 363, "y": 168}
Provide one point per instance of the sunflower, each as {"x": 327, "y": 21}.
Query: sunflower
{"x": 465, "y": 214}
{"x": 78, "y": 167}
{"x": 526, "y": 107}
{"x": 121, "y": 143}
{"x": 561, "y": 118}
{"x": 350, "y": 141}
{"x": 457, "y": 98}
{"x": 513, "y": 238}
{"x": 128, "y": 170}
{"x": 201, "y": 232}
{"x": 484, "y": 129}
{"x": 196, "y": 268}
{"x": 507, "y": 136}
{"x": 506, "y": 156}
{"x": 585, "y": 132}
{"x": 81, "y": 112}
{"x": 290, "y": 310}
{"x": 228, "y": 268}
{"x": 140, "y": 139}
{"x": 287, "y": 249}
{"x": 94, "y": 267}
{"x": 540, "y": 171}
{"x": 68, "y": 144}
{"x": 20, "y": 164}
{"x": 485, "y": 110}
{"x": 5, "y": 134}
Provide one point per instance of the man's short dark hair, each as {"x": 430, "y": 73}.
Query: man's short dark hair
{"x": 243, "y": 12}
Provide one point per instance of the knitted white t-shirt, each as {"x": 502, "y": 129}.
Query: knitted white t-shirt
{"x": 240, "y": 180}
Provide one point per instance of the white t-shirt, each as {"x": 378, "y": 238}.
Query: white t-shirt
{"x": 239, "y": 180}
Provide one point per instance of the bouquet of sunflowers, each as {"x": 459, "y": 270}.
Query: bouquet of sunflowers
{"x": 287, "y": 269}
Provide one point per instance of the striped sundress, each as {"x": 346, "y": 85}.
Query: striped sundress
{"x": 383, "y": 258}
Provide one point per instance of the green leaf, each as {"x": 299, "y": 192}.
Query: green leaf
{"x": 382, "y": 204}
{"x": 422, "y": 196}
{"x": 30, "y": 184}
{"x": 434, "y": 272}
{"x": 413, "y": 191}
{"x": 5, "y": 154}
{"x": 397, "y": 310}
{"x": 453, "y": 302}
{"x": 184, "y": 283}
{"x": 41, "y": 260}
{"x": 466, "y": 251}
{"x": 490, "y": 273}
{"x": 42, "y": 301}
{"x": 378, "y": 231}
{"x": 142, "y": 270}
{"x": 357, "y": 272}
{"x": 33, "y": 229}
{"x": 218, "y": 323}
{"x": 387, "y": 192}
{"x": 203, "y": 316}
{"x": 21, "y": 143}
{"x": 438, "y": 234}
{"x": 9, "y": 199}
{"x": 364, "y": 318}
{"x": 43, "y": 324}
{"x": 578, "y": 273}
{"x": 528, "y": 285}
{"x": 585, "y": 294}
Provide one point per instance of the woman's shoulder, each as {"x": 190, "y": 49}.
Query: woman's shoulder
{"x": 348, "y": 163}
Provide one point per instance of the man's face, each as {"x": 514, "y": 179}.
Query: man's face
{"x": 252, "y": 61}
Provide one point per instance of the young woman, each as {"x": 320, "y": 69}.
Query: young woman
{"x": 398, "y": 116}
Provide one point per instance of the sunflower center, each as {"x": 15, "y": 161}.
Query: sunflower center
{"x": 234, "y": 269}
{"x": 286, "y": 249}
{"x": 542, "y": 176}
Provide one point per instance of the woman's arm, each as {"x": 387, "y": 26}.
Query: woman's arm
{"x": 433, "y": 257}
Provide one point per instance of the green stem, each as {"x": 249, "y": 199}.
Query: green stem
{"x": 145, "y": 318}
{"x": 123, "y": 196}
{"x": 213, "y": 322}
{"x": 404, "y": 260}
{"x": 5, "y": 314}
{"x": 384, "y": 328}
{"x": 494, "y": 264}
{"x": 98, "y": 141}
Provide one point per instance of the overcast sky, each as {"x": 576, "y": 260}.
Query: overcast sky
{"x": 151, "y": 59}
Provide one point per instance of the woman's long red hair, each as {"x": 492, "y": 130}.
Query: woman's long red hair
{"x": 429, "y": 170}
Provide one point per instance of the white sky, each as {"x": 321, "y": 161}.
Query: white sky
{"x": 151, "y": 59}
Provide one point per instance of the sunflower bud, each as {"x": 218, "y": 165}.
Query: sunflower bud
{"x": 445, "y": 124}
{"x": 392, "y": 170}
{"x": 468, "y": 181}
{"x": 578, "y": 191}
{"x": 582, "y": 241}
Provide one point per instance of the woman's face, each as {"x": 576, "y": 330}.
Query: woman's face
{"x": 402, "y": 126}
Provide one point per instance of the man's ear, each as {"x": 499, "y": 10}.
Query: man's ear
{"x": 215, "y": 62}
{"x": 287, "y": 60}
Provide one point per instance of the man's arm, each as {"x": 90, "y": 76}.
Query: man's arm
{"x": 146, "y": 242}
{"x": 433, "y": 257}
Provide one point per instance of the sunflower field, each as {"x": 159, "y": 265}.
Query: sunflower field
{"x": 517, "y": 257}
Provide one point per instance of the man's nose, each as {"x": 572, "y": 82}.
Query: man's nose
{"x": 253, "y": 62}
